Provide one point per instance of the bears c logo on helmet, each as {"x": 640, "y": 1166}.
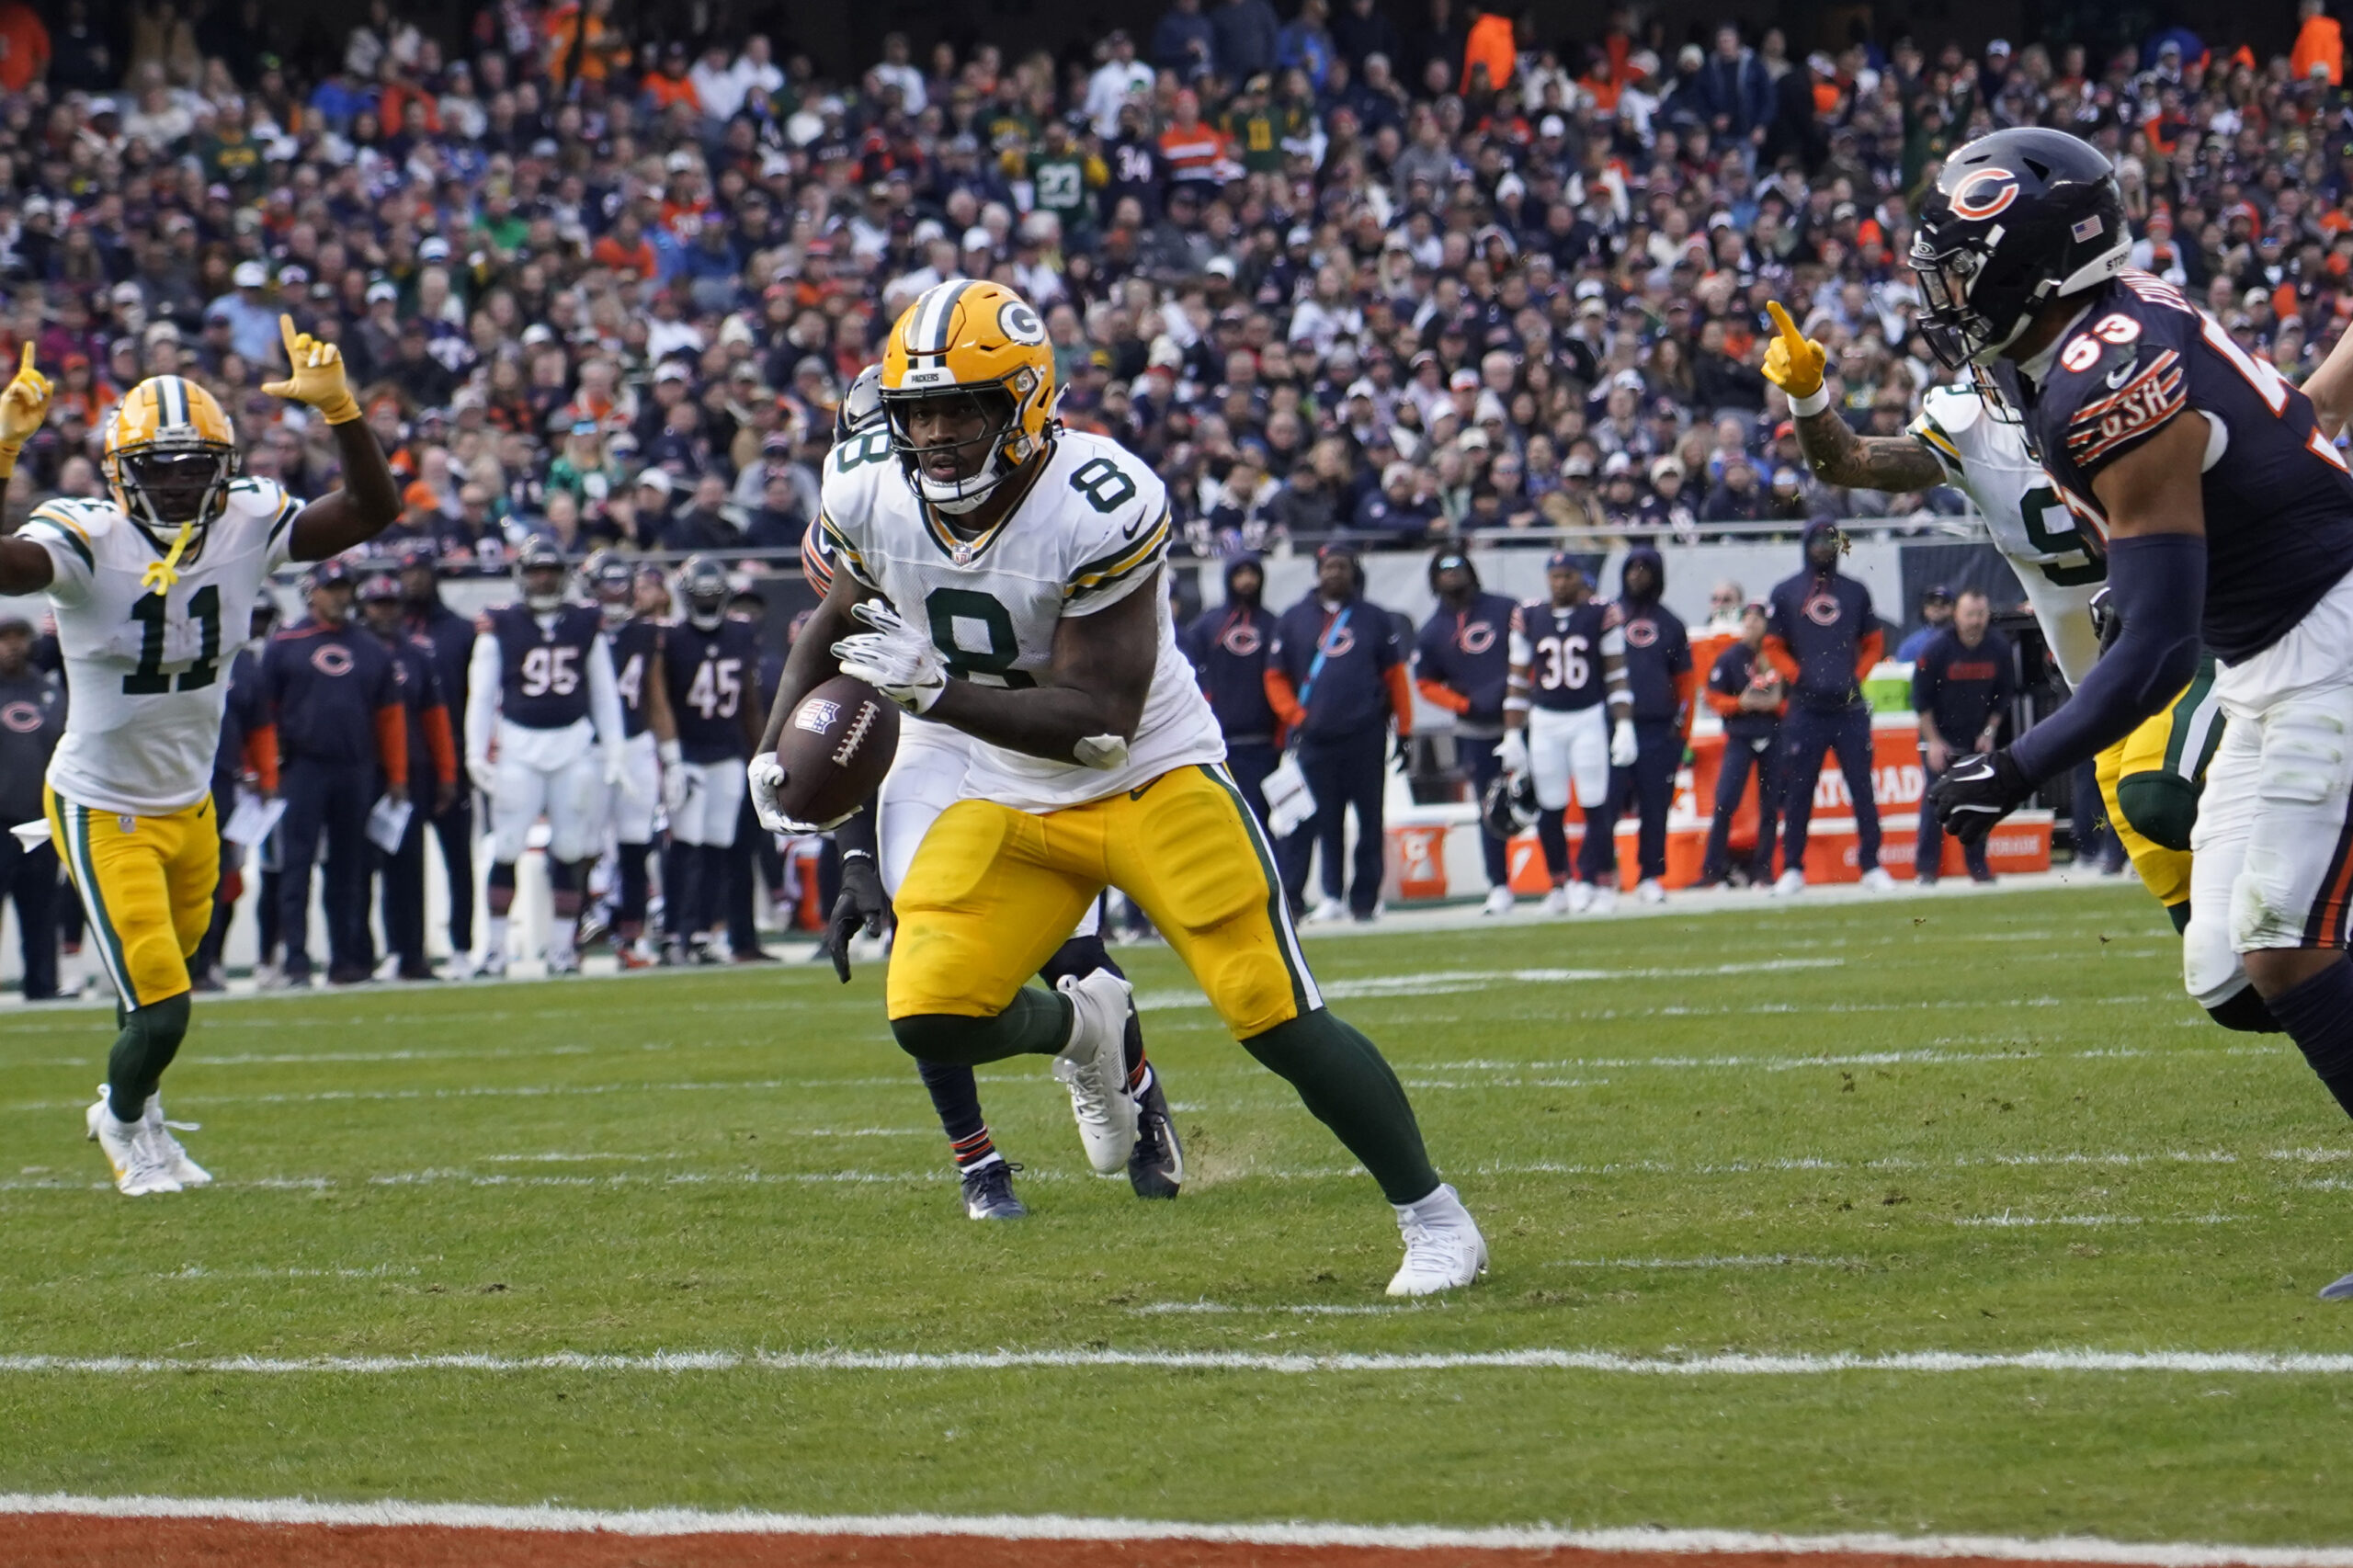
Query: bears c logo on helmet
{"x": 1984, "y": 193}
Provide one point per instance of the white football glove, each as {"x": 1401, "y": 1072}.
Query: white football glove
{"x": 895, "y": 658}
{"x": 617, "y": 773}
{"x": 676, "y": 782}
{"x": 1512, "y": 752}
{"x": 485, "y": 773}
{"x": 1622, "y": 745}
{"x": 766, "y": 776}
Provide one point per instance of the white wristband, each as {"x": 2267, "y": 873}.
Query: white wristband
{"x": 667, "y": 753}
{"x": 1813, "y": 403}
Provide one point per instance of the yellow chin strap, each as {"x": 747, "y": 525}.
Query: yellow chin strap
{"x": 161, "y": 574}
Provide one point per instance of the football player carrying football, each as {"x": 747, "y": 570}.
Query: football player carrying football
{"x": 142, "y": 584}
{"x": 2227, "y": 515}
{"x": 2149, "y": 781}
{"x": 877, "y": 847}
{"x": 998, "y": 575}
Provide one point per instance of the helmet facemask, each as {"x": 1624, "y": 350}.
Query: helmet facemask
{"x": 703, "y": 581}
{"x": 165, "y": 485}
{"x": 993, "y": 408}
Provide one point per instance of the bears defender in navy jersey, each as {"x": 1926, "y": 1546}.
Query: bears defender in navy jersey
{"x": 634, "y": 643}
{"x": 653, "y": 768}
{"x": 713, "y": 678}
{"x": 711, "y": 672}
{"x": 1568, "y": 657}
{"x": 1563, "y": 647}
{"x": 542, "y": 694}
{"x": 2278, "y": 496}
{"x": 2227, "y": 513}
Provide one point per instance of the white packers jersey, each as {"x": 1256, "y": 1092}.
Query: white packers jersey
{"x": 146, "y": 669}
{"x": 1989, "y": 462}
{"x": 1092, "y": 529}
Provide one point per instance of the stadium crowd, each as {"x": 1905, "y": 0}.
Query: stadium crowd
{"x": 1330, "y": 274}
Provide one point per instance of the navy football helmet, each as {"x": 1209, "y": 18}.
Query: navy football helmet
{"x": 2017, "y": 218}
{"x": 1508, "y": 807}
{"x": 703, "y": 583}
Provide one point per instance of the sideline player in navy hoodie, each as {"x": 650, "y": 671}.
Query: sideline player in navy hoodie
{"x": 1462, "y": 663}
{"x": 1658, "y": 674}
{"x": 1337, "y": 675}
{"x": 1228, "y": 646}
{"x": 1823, "y": 638}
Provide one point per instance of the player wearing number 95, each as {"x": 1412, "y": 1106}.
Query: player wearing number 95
{"x": 142, "y": 584}
{"x": 2228, "y": 518}
{"x": 543, "y": 734}
{"x": 998, "y": 575}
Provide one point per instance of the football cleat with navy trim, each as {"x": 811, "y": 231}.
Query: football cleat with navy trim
{"x": 1156, "y": 1164}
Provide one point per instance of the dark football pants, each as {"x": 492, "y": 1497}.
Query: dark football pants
{"x": 1740, "y": 755}
{"x": 1343, "y": 773}
{"x": 1479, "y": 766}
{"x": 1927, "y": 856}
{"x": 1250, "y": 762}
{"x": 329, "y": 801}
{"x": 29, "y": 880}
{"x": 403, "y": 875}
{"x": 1806, "y": 734}
{"x": 455, "y": 829}
{"x": 1649, "y": 788}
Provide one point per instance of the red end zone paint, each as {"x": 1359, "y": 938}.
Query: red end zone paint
{"x": 69, "y": 1541}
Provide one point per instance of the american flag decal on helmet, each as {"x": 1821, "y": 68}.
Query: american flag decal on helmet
{"x": 2155, "y": 395}
{"x": 2087, "y": 228}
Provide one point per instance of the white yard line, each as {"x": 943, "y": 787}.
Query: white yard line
{"x": 2202, "y": 1363}
{"x": 543, "y": 1518}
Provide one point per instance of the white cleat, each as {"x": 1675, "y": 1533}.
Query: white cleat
{"x": 1444, "y": 1250}
{"x": 1580, "y": 897}
{"x": 185, "y": 1171}
{"x": 1876, "y": 880}
{"x": 1499, "y": 901}
{"x": 1604, "y": 902}
{"x": 1094, "y": 1067}
{"x": 1557, "y": 902}
{"x": 493, "y": 965}
{"x": 1649, "y": 890}
{"x": 139, "y": 1166}
{"x": 1329, "y": 910}
{"x": 1792, "y": 882}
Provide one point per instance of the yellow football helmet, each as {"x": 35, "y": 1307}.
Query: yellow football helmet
{"x": 170, "y": 454}
{"x": 981, "y": 343}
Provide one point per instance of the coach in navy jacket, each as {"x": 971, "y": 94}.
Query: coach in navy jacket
{"x": 1461, "y": 661}
{"x": 1659, "y": 675}
{"x": 1341, "y": 712}
{"x": 1823, "y": 638}
{"x": 342, "y": 736}
{"x": 1228, "y": 646}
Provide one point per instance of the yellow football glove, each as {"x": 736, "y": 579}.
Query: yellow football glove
{"x": 1792, "y": 361}
{"x": 317, "y": 377}
{"x": 23, "y": 408}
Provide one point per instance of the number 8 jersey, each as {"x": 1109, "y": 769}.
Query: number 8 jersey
{"x": 144, "y": 667}
{"x": 1090, "y": 527}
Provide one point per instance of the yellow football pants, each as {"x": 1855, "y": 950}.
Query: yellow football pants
{"x": 992, "y": 893}
{"x": 148, "y": 884}
{"x": 2150, "y": 779}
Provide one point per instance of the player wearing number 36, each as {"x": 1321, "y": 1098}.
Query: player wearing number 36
{"x": 997, "y": 573}
{"x": 152, "y": 589}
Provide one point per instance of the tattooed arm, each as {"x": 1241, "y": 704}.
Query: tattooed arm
{"x": 1838, "y": 456}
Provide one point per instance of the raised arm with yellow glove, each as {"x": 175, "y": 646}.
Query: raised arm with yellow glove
{"x": 315, "y": 376}
{"x": 1794, "y": 362}
{"x": 24, "y": 406}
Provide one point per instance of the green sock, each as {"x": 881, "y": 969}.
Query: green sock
{"x": 1036, "y": 1023}
{"x": 150, "y": 1038}
{"x": 1343, "y": 1079}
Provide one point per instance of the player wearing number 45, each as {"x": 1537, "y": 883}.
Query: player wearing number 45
{"x": 998, "y": 575}
{"x": 142, "y": 584}
{"x": 710, "y": 667}
{"x": 543, "y": 735}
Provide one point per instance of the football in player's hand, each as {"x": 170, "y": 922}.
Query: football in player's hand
{"x": 835, "y": 749}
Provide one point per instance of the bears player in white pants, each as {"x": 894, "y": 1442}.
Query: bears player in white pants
{"x": 710, "y": 673}
{"x": 1568, "y": 719}
{"x": 543, "y": 735}
{"x": 927, "y": 776}
{"x": 652, "y": 768}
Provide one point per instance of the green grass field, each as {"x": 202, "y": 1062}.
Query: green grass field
{"x": 1986, "y": 1124}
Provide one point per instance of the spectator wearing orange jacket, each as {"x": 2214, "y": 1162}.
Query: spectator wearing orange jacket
{"x": 2320, "y": 45}
{"x": 1491, "y": 45}
{"x": 1337, "y": 676}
